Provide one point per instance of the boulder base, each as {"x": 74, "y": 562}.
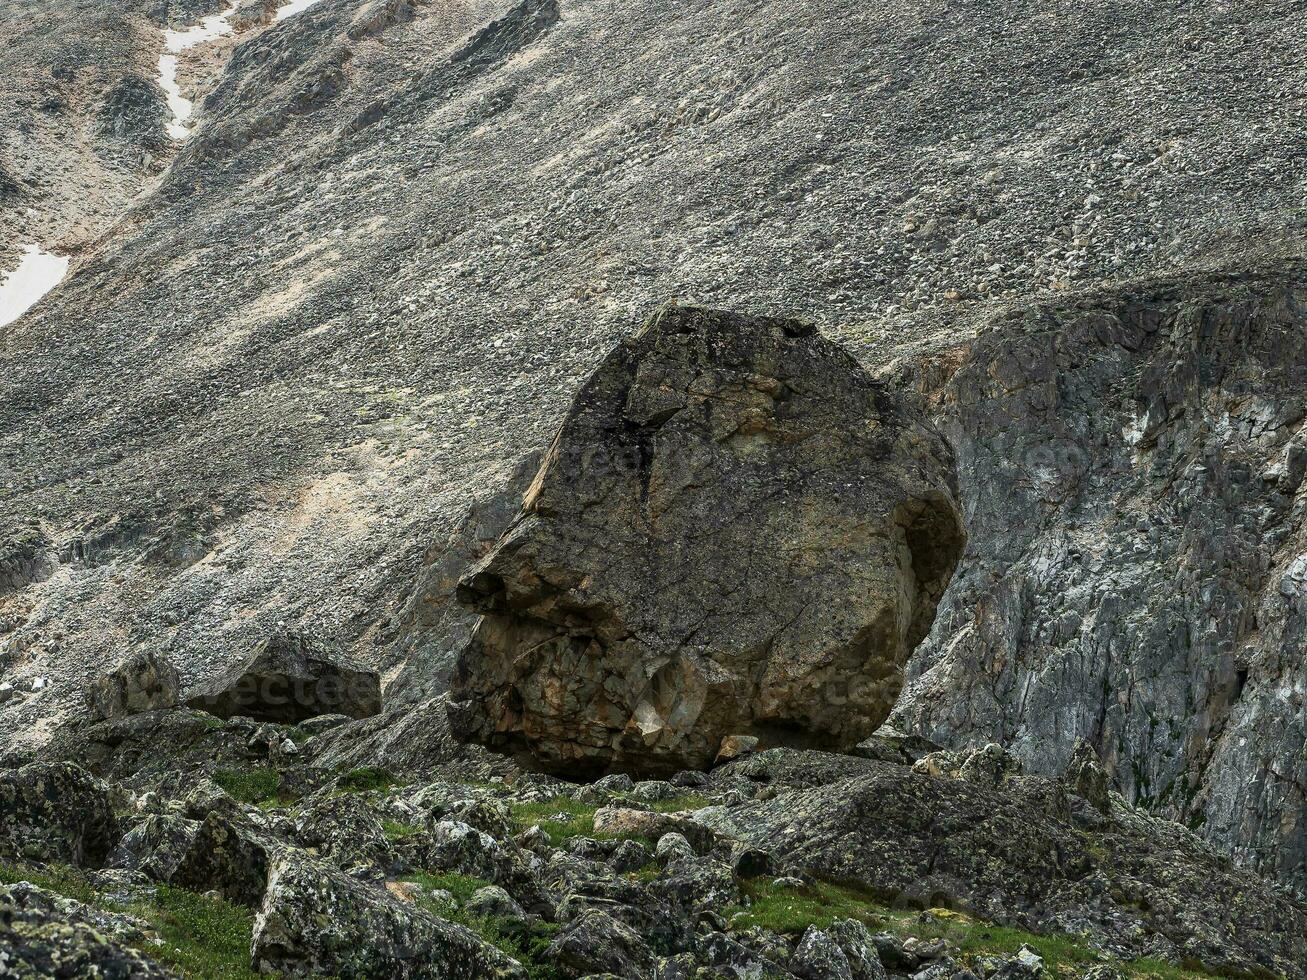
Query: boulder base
{"x": 737, "y": 531}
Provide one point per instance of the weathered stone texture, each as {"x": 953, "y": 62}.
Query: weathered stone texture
{"x": 737, "y": 531}
{"x": 1132, "y": 465}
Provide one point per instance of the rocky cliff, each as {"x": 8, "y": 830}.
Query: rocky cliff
{"x": 1132, "y": 466}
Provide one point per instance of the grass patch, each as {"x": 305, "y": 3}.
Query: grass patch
{"x": 395, "y": 829}
{"x": 366, "y": 779}
{"x": 57, "y": 878}
{"x": 199, "y": 937}
{"x": 259, "y": 785}
{"x": 792, "y": 910}
{"x": 560, "y": 818}
{"x": 460, "y": 886}
{"x": 524, "y": 942}
{"x": 202, "y": 937}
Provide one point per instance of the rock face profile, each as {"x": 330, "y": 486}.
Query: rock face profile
{"x": 737, "y": 531}
{"x": 288, "y": 678}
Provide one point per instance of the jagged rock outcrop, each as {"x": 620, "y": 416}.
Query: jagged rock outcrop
{"x": 46, "y": 935}
{"x": 1018, "y": 853}
{"x": 736, "y": 531}
{"x": 290, "y": 678}
{"x": 316, "y": 921}
{"x": 55, "y": 812}
{"x": 1133, "y": 469}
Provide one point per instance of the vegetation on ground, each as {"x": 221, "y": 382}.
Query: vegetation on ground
{"x": 789, "y": 911}
{"x": 562, "y": 817}
{"x": 367, "y": 779}
{"x": 523, "y": 941}
{"x": 198, "y": 936}
{"x": 259, "y": 785}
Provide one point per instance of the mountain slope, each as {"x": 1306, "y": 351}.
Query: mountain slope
{"x": 403, "y": 232}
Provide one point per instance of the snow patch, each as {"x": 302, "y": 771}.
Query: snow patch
{"x": 293, "y": 8}
{"x": 209, "y": 29}
{"x": 174, "y": 43}
{"x": 38, "y": 273}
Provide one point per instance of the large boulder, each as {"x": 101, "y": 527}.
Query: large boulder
{"x": 56, "y": 812}
{"x": 737, "y": 531}
{"x": 145, "y": 681}
{"x": 289, "y": 678}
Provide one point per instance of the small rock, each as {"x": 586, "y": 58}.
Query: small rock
{"x": 493, "y": 902}
{"x": 145, "y": 681}
{"x": 629, "y": 855}
{"x": 672, "y": 847}
{"x": 819, "y": 957}
{"x": 618, "y": 782}
{"x": 735, "y": 747}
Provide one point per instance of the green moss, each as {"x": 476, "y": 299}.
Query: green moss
{"x": 261, "y": 784}
{"x": 366, "y": 779}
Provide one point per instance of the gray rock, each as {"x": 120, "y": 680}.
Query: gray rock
{"x": 672, "y": 847}
{"x": 316, "y": 921}
{"x": 56, "y": 812}
{"x": 819, "y": 957}
{"x": 1132, "y": 466}
{"x": 1012, "y": 854}
{"x": 345, "y": 830}
{"x": 736, "y": 532}
{"x": 595, "y": 942}
{"x": 155, "y": 845}
{"x": 228, "y": 856}
{"x": 629, "y": 855}
{"x": 145, "y": 681}
{"x": 45, "y": 935}
{"x": 493, "y": 902}
{"x": 1086, "y": 778}
{"x": 859, "y": 947}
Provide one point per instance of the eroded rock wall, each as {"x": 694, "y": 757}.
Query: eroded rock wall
{"x": 1132, "y": 467}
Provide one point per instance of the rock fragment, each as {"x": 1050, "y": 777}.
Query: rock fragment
{"x": 145, "y": 681}
{"x": 56, "y": 812}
